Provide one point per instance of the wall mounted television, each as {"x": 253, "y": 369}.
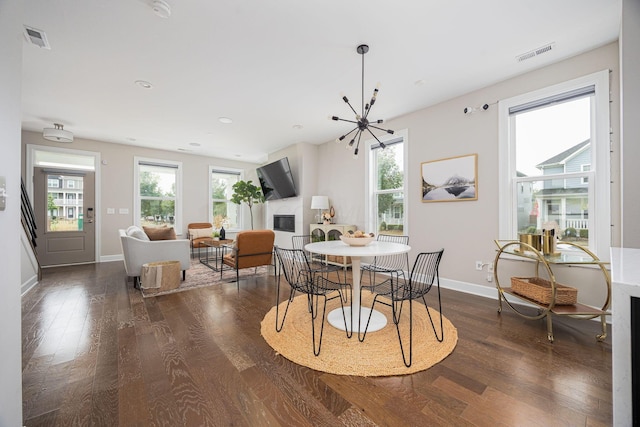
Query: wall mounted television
{"x": 276, "y": 180}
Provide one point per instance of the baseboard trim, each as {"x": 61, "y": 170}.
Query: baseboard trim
{"x": 111, "y": 258}
{"x": 470, "y": 288}
{"x": 28, "y": 285}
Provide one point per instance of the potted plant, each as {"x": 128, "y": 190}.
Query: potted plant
{"x": 215, "y": 235}
{"x": 245, "y": 191}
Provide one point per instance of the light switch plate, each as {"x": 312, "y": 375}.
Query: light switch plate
{"x": 3, "y": 193}
{"x": 123, "y": 211}
{"x": 111, "y": 211}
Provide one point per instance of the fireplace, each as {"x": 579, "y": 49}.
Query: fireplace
{"x": 284, "y": 223}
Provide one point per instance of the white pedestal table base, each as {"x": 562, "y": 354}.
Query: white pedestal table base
{"x": 378, "y": 320}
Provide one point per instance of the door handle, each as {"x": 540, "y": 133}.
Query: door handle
{"x": 89, "y": 219}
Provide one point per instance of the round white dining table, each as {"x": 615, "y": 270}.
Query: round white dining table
{"x": 339, "y": 248}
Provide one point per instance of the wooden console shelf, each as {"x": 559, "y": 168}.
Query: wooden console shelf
{"x": 326, "y": 232}
{"x": 573, "y": 255}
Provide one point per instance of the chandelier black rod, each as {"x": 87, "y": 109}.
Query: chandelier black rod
{"x": 382, "y": 145}
{"x": 362, "y": 91}
{"x": 384, "y": 130}
{"x": 345, "y": 99}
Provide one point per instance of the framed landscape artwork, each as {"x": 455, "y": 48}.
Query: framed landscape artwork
{"x": 453, "y": 179}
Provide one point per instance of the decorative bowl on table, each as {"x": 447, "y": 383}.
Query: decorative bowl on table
{"x": 357, "y": 241}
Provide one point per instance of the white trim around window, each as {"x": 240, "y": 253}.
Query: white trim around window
{"x": 370, "y": 183}
{"x": 137, "y": 161}
{"x": 232, "y": 171}
{"x": 599, "y": 186}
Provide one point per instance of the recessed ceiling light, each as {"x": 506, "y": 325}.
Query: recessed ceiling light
{"x": 131, "y": 139}
{"x": 226, "y": 120}
{"x": 420, "y": 82}
{"x": 194, "y": 144}
{"x": 184, "y": 149}
{"x": 297, "y": 126}
{"x": 238, "y": 155}
{"x": 144, "y": 84}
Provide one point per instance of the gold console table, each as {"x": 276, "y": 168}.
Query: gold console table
{"x": 573, "y": 255}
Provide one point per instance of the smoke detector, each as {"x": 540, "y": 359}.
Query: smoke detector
{"x": 57, "y": 134}
{"x": 161, "y": 8}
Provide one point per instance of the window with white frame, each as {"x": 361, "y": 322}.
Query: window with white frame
{"x": 223, "y": 211}
{"x": 386, "y": 201}
{"x": 554, "y": 162}
{"x": 585, "y": 168}
{"x": 157, "y": 192}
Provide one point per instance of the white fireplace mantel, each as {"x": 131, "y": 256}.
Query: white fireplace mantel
{"x": 625, "y": 278}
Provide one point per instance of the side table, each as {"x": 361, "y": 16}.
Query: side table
{"x": 216, "y": 248}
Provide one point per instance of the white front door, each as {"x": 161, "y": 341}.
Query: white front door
{"x": 64, "y": 201}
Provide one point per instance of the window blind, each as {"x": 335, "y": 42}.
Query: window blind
{"x": 555, "y": 99}
{"x": 387, "y": 143}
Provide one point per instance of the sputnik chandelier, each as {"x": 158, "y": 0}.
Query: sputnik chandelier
{"x": 362, "y": 122}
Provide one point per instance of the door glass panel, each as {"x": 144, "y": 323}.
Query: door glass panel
{"x": 64, "y": 208}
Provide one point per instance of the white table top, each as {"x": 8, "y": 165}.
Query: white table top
{"x": 339, "y": 248}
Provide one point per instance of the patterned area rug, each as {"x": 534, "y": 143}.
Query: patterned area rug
{"x": 199, "y": 276}
{"x": 378, "y": 355}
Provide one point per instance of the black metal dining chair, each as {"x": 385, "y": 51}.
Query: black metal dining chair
{"x": 389, "y": 265}
{"x": 317, "y": 266}
{"x": 393, "y": 292}
{"x": 297, "y": 272}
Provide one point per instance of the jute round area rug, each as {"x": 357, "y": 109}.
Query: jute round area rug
{"x": 378, "y": 355}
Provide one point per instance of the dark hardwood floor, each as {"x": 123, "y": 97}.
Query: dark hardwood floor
{"x": 96, "y": 353}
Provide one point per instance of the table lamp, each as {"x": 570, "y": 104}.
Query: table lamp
{"x": 320, "y": 203}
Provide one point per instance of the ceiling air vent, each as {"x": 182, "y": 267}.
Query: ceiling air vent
{"x": 36, "y": 37}
{"x": 539, "y": 51}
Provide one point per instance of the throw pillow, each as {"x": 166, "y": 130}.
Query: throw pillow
{"x": 196, "y": 233}
{"x": 136, "y": 232}
{"x": 160, "y": 233}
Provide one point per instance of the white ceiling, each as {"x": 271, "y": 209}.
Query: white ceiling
{"x": 273, "y": 64}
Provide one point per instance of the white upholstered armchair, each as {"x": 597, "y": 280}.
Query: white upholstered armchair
{"x": 138, "y": 251}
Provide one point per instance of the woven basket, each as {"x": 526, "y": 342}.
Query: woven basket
{"x": 539, "y": 290}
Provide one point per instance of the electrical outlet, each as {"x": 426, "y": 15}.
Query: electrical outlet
{"x": 489, "y": 277}
{"x": 479, "y": 265}
{"x": 490, "y": 268}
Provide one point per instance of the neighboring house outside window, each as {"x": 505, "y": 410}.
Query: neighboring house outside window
{"x": 386, "y": 202}
{"x": 560, "y": 183}
{"x": 223, "y": 212}
{"x": 157, "y": 193}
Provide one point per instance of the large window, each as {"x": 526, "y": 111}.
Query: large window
{"x": 157, "y": 192}
{"x": 554, "y": 163}
{"x": 223, "y": 212}
{"x": 386, "y": 203}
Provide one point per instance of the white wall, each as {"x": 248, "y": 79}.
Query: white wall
{"x": 630, "y": 125}
{"x": 465, "y": 229}
{"x": 10, "y": 316}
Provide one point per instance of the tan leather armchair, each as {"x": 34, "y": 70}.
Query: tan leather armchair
{"x": 197, "y": 233}
{"x": 252, "y": 248}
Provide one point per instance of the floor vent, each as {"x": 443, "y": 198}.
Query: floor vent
{"x": 36, "y": 37}
{"x": 539, "y": 51}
